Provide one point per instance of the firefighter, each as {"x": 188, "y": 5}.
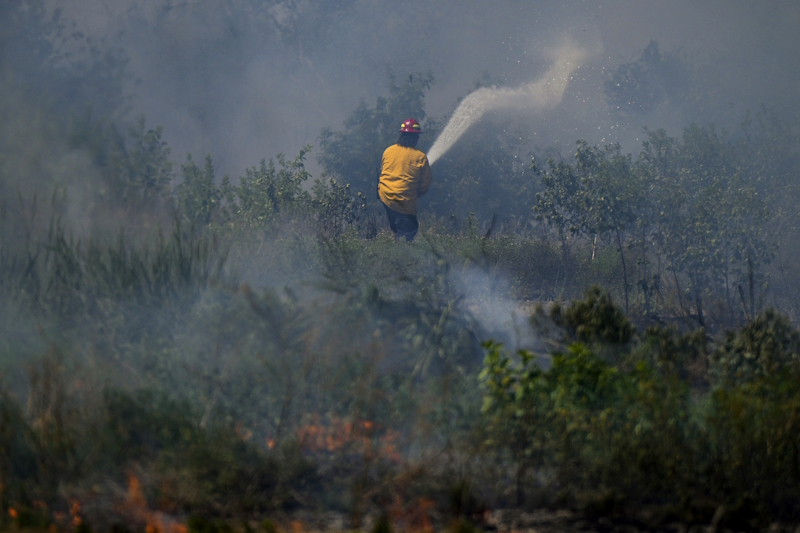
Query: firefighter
{"x": 405, "y": 176}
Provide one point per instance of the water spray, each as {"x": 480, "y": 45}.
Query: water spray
{"x": 546, "y": 92}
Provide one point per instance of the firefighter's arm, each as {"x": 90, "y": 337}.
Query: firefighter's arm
{"x": 425, "y": 179}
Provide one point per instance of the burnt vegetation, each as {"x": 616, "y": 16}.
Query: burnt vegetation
{"x": 187, "y": 350}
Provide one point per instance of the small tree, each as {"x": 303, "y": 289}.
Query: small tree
{"x": 150, "y": 170}
{"x": 598, "y": 195}
{"x": 268, "y": 191}
{"x": 763, "y": 348}
{"x": 198, "y": 195}
{"x": 709, "y": 218}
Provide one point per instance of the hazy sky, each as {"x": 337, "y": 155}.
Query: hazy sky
{"x": 246, "y": 79}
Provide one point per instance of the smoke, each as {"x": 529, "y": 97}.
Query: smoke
{"x": 489, "y": 298}
{"x": 543, "y": 93}
{"x": 247, "y": 79}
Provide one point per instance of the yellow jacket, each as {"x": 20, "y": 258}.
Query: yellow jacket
{"x": 405, "y": 176}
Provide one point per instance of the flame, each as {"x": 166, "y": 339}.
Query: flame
{"x": 416, "y": 514}
{"x": 425, "y": 506}
{"x": 155, "y": 521}
{"x": 242, "y": 432}
{"x": 419, "y": 516}
{"x": 364, "y": 437}
{"x": 135, "y": 495}
{"x": 12, "y": 512}
{"x": 74, "y": 512}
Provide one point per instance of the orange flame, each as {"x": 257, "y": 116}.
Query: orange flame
{"x": 74, "y": 512}
{"x": 416, "y": 514}
{"x": 155, "y": 521}
{"x": 339, "y": 434}
{"x": 421, "y": 515}
{"x": 242, "y": 432}
{"x": 135, "y": 495}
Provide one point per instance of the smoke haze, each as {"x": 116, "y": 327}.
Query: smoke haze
{"x": 243, "y": 80}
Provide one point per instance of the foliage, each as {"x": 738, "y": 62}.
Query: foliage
{"x": 61, "y": 278}
{"x": 246, "y": 400}
{"x": 710, "y": 218}
{"x": 337, "y": 209}
{"x": 588, "y": 430}
{"x": 267, "y": 197}
{"x": 598, "y": 196}
{"x": 596, "y": 318}
{"x": 765, "y": 347}
{"x": 639, "y": 436}
{"x": 198, "y": 194}
{"x": 266, "y": 194}
{"x": 150, "y": 170}
{"x": 685, "y": 205}
{"x": 753, "y": 430}
{"x": 675, "y": 354}
{"x": 150, "y": 427}
{"x": 594, "y": 426}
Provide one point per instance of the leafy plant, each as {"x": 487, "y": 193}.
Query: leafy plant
{"x": 199, "y": 197}
{"x": 765, "y": 347}
{"x": 596, "y": 318}
{"x": 586, "y": 423}
{"x": 337, "y": 209}
{"x": 597, "y": 197}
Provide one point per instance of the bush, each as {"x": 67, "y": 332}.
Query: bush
{"x": 590, "y": 425}
{"x": 753, "y": 431}
{"x": 763, "y": 348}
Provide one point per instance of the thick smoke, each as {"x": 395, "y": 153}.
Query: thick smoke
{"x": 243, "y": 80}
{"x": 543, "y": 93}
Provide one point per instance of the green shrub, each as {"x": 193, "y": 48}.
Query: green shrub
{"x": 336, "y": 208}
{"x": 590, "y": 424}
{"x": 597, "y": 318}
{"x": 763, "y": 348}
{"x": 754, "y": 452}
{"x": 198, "y": 195}
{"x": 673, "y": 353}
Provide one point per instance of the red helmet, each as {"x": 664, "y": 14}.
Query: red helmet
{"x": 410, "y": 125}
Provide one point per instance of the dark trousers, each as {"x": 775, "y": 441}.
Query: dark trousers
{"x": 402, "y": 225}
